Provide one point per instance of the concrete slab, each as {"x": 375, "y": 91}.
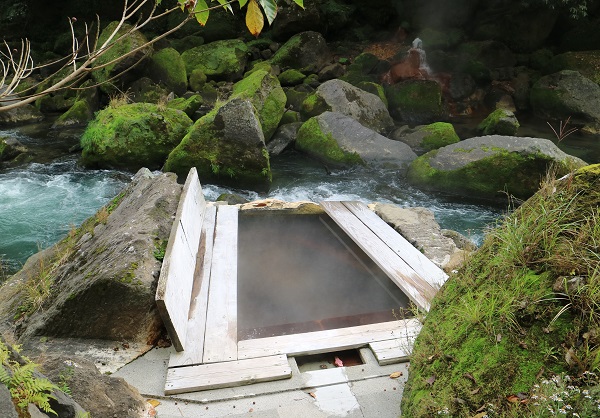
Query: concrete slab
{"x": 361, "y": 391}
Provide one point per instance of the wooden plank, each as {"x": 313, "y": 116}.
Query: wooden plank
{"x": 194, "y": 349}
{"x": 415, "y": 287}
{"x": 228, "y": 374}
{"x": 393, "y": 351}
{"x": 176, "y": 280}
{"x": 413, "y": 257}
{"x": 324, "y": 341}
{"x": 221, "y": 317}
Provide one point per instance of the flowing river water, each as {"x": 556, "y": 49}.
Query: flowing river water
{"x": 40, "y": 201}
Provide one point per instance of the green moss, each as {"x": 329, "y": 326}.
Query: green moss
{"x": 511, "y": 173}
{"x": 415, "y": 101}
{"x": 501, "y": 122}
{"x": 313, "y": 105}
{"x": 167, "y": 67}
{"x": 374, "y": 88}
{"x": 439, "y": 135}
{"x": 132, "y": 136}
{"x": 189, "y": 106}
{"x": 129, "y": 276}
{"x": 291, "y": 77}
{"x": 312, "y": 140}
{"x": 224, "y": 59}
{"x": 115, "y": 202}
{"x": 78, "y": 114}
{"x": 197, "y": 79}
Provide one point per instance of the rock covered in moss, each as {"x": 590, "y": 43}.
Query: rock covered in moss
{"x": 197, "y": 79}
{"x": 11, "y": 148}
{"x": 366, "y": 67}
{"x": 428, "y": 137}
{"x": 219, "y": 60}
{"x": 103, "y": 274}
{"x": 586, "y": 62}
{"x": 104, "y": 68}
{"x": 78, "y": 115}
{"x": 264, "y": 91}
{"x": 415, "y": 102}
{"x": 167, "y": 68}
{"x": 306, "y": 52}
{"x": 189, "y": 106}
{"x": 500, "y": 122}
{"x": 291, "y": 77}
{"x": 227, "y": 146}
{"x": 133, "y": 136}
{"x": 340, "y": 140}
{"x": 488, "y": 166}
{"x": 339, "y": 96}
{"x": 568, "y": 94}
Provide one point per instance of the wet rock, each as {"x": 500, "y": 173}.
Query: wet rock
{"x": 11, "y": 148}
{"x": 340, "y": 140}
{"x": 587, "y": 63}
{"x": 19, "y": 115}
{"x": 342, "y": 97}
{"x": 490, "y": 166}
{"x": 284, "y": 138}
{"x": 568, "y": 94}
{"x": 78, "y": 115}
{"x": 419, "y": 227}
{"x": 416, "y": 102}
{"x": 103, "y": 281}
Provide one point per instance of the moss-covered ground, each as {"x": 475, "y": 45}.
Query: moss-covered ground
{"x": 516, "y": 332}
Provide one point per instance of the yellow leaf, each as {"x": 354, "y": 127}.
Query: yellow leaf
{"x": 153, "y": 402}
{"x": 395, "y": 375}
{"x": 254, "y": 18}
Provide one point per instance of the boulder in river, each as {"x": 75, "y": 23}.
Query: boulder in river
{"x": 501, "y": 122}
{"x": 132, "y": 136}
{"x": 340, "y": 140}
{"x": 341, "y": 97}
{"x": 489, "y": 166}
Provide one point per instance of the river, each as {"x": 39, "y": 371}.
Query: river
{"x": 40, "y": 201}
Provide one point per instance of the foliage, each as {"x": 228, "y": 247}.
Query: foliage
{"x": 254, "y": 11}
{"x": 525, "y": 307}
{"x": 576, "y": 8}
{"x": 24, "y": 387}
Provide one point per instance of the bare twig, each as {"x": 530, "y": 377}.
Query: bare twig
{"x": 562, "y": 132}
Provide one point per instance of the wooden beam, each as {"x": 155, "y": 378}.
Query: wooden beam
{"x": 329, "y": 340}
{"x": 176, "y": 280}
{"x": 221, "y": 317}
{"x": 424, "y": 267}
{"x": 393, "y": 351}
{"x": 415, "y": 287}
{"x": 194, "y": 349}
{"x": 228, "y": 374}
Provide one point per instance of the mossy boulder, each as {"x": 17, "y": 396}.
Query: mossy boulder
{"x": 219, "y": 60}
{"x": 501, "y": 122}
{"x": 340, "y": 140}
{"x": 197, "y": 79}
{"x": 504, "y": 332}
{"x": 366, "y": 67}
{"x": 104, "y": 68}
{"x": 58, "y": 101}
{"x": 428, "y": 137}
{"x": 144, "y": 90}
{"x": 586, "y": 62}
{"x": 11, "y": 148}
{"x": 264, "y": 91}
{"x": 227, "y": 146}
{"x": 167, "y": 68}
{"x": 373, "y": 88}
{"x": 342, "y": 97}
{"x": 291, "y": 77}
{"x": 133, "y": 136}
{"x": 489, "y": 166}
{"x": 78, "y": 115}
{"x": 189, "y": 106}
{"x": 415, "y": 102}
{"x": 306, "y": 52}
{"x": 567, "y": 94}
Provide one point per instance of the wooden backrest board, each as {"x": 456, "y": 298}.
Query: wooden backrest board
{"x": 174, "y": 291}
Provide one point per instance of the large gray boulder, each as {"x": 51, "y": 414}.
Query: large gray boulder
{"x": 489, "y": 166}
{"x": 227, "y": 146}
{"x": 340, "y": 140}
{"x": 419, "y": 227}
{"x": 342, "y": 97}
{"x": 102, "y": 275}
{"x": 568, "y": 94}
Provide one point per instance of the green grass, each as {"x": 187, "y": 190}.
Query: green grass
{"x": 524, "y": 309}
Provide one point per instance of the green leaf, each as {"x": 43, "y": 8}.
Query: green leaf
{"x": 182, "y": 4}
{"x": 270, "y": 8}
{"x": 226, "y": 5}
{"x": 299, "y": 3}
{"x": 201, "y": 12}
{"x": 254, "y": 18}
{"x": 243, "y": 3}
